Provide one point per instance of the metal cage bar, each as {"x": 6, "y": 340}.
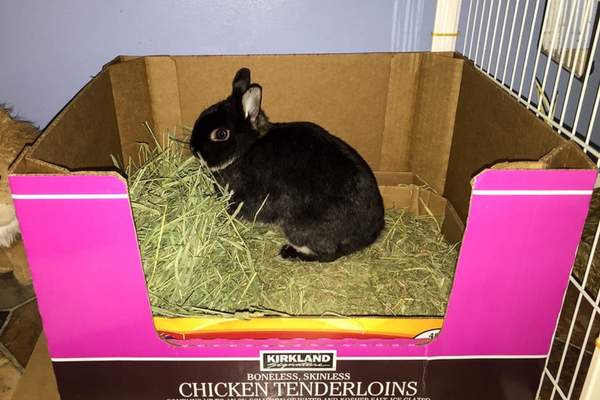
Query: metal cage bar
{"x": 510, "y": 40}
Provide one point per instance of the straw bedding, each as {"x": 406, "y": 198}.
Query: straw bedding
{"x": 200, "y": 260}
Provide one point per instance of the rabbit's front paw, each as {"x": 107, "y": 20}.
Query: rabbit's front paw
{"x": 302, "y": 253}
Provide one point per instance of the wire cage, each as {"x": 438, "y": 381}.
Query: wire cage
{"x": 543, "y": 53}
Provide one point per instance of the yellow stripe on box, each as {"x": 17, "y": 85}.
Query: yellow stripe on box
{"x": 392, "y": 327}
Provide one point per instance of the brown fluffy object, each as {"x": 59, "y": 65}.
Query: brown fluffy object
{"x": 14, "y": 136}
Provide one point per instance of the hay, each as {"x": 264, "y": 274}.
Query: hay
{"x": 200, "y": 260}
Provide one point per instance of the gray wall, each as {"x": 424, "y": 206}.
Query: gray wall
{"x": 489, "y": 60}
{"x": 50, "y": 49}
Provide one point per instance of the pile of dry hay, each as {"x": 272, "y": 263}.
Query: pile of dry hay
{"x": 200, "y": 260}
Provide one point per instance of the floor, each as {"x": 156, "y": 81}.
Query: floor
{"x": 20, "y": 327}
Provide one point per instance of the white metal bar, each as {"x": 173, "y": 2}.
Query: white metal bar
{"x": 529, "y": 47}
{"x": 588, "y": 135}
{"x": 546, "y": 371}
{"x": 561, "y": 60}
{"x": 479, "y": 33}
{"x": 585, "y": 340}
{"x": 555, "y": 384}
{"x": 473, "y": 30}
{"x": 572, "y": 42}
{"x": 572, "y": 39}
{"x": 559, "y": 128}
{"x": 539, "y": 53}
{"x": 577, "y": 305}
{"x": 467, "y": 28}
{"x": 586, "y": 296}
{"x": 550, "y": 52}
{"x": 510, "y": 39}
{"x": 573, "y": 345}
{"x": 588, "y": 27}
{"x": 570, "y": 134}
{"x": 493, "y": 45}
{"x": 487, "y": 31}
{"x": 575, "y": 61}
{"x": 502, "y": 37}
{"x": 585, "y": 81}
{"x": 514, "y": 71}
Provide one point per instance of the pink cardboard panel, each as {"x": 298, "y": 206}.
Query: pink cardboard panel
{"x": 510, "y": 280}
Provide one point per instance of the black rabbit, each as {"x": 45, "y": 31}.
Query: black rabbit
{"x": 318, "y": 188}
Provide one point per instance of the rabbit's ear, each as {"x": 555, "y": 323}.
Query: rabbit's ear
{"x": 241, "y": 82}
{"x": 251, "y": 102}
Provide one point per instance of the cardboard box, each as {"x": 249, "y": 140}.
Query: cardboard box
{"x": 522, "y": 191}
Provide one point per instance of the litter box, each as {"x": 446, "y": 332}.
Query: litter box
{"x": 434, "y": 130}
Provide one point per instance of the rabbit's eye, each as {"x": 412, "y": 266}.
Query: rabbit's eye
{"x": 219, "y": 135}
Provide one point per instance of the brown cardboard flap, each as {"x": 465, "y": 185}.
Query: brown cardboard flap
{"x": 453, "y": 228}
{"x": 85, "y": 133}
{"x": 132, "y": 104}
{"x": 397, "y": 197}
{"x": 345, "y": 93}
{"x": 119, "y": 59}
{"x": 450, "y": 54}
{"x": 389, "y": 178}
{"x": 25, "y": 153}
{"x": 417, "y": 180}
{"x": 421, "y": 201}
{"x": 431, "y": 203}
{"x": 520, "y": 165}
{"x": 567, "y": 155}
{"x": 417, "y": 200}
{"x": 400, "y": 112}
{"x": 439, "y": 86}
{"x": 490, "y": 127}
{"x": 164, "y": 95}
{"x": 33, "y": 166}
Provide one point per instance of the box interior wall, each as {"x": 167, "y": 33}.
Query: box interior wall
{"x": 433, "y": 115}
